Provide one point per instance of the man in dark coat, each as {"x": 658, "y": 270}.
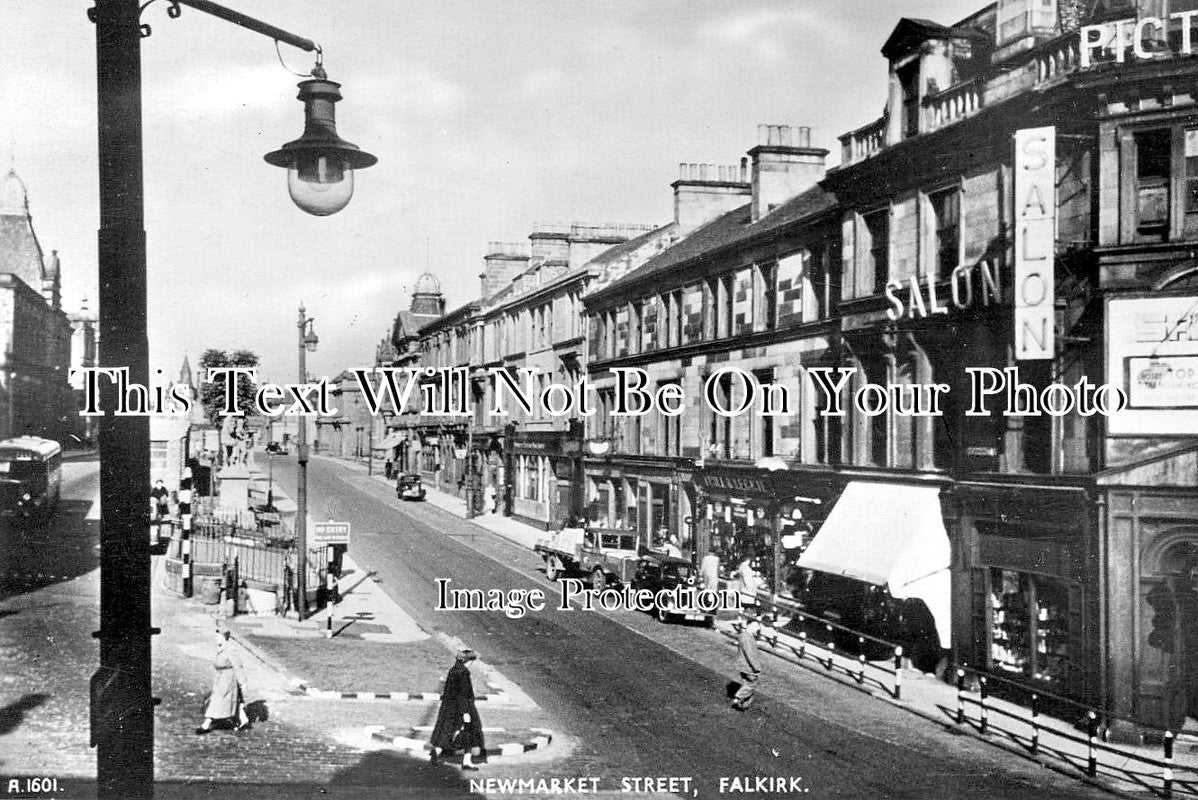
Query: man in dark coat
{"x": 458, "y": 726}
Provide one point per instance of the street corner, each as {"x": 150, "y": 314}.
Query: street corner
{"x": 502, "y": 743}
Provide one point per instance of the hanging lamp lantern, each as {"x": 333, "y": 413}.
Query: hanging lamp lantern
{"x": 320, "y": 164}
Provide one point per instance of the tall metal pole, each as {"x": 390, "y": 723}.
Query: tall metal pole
{"x": 301, "y": 492}
{"x": 122, "y": 724}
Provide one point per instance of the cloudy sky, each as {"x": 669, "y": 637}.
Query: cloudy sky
{"x": 486, "y": 117}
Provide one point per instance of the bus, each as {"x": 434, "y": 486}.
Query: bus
{"x": 30, "y": 476}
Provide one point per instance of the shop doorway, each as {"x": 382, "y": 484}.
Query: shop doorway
{"x": 1169, "y": 686}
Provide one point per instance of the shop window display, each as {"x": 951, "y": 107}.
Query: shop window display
{"x": 1029, "y": 625}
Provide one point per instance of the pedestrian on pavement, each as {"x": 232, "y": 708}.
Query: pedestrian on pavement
{"x": 162, "y": 498}
{"x": 671, "y": 548}
{"x": 750, "y": 582}
{"x": 748, "y": 662}
{"x": 489, "y": 498}
{"x": 709, "y": 571}
{"x": 226, "y": 701}
{"x": 458, "y": 726}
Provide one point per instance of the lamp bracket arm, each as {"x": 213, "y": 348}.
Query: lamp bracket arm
{"x": 174, "y": 11}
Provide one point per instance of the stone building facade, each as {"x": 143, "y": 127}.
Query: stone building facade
{"x": 35, "y": 395}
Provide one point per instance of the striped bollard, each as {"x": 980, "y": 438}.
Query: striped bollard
{"x": 861, "y": 659}
{"x": 1035, "y": 723}
{"x": 898, "y": 672}
{"x": 831, "y": 649}
{"x": 1091, "y": 741}
{"x": 1168, "y": 775}
{"x": 985, "y": 713}
{"x": 802, "y": 644}
{"x": 960, "y": 697}
{"x": 185, "y": 544}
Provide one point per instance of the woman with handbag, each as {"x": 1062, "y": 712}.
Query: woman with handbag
{"x": 458, "y": 726}
{"x": 226, "y": 700}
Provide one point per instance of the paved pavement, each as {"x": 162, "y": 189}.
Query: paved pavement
{"x": 631, "y": 697}
{"x": 1008, "y": 725}
{"x": 620, "y": 695}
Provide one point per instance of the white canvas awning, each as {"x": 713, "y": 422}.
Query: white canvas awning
{"x": 891, "y": 535}
{"x": 389, "y": 442}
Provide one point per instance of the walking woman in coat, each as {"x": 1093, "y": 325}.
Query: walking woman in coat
{"x": 458, "y": 726}
{"x": 225, "y": 701}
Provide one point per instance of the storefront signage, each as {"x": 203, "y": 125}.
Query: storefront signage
{"x": 1143, "y": 39}
{"x": 1162, "y": 381}
{"x": 1152, "y": 352}
{"x": 730, "y": 483}
{"x": 1035, "y": 242}
{"x": 977, "y": 284}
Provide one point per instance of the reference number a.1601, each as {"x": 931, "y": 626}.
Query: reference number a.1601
{"x": 31, "y": 785}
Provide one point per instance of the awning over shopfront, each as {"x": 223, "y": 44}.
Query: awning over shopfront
{"x": 389, "y": 442}
{"x": 891, "y": 535}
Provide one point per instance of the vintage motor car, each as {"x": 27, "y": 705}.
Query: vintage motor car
{"x": 409, "y": 487}
{"x": 657, "y": 572}
{"x": 277, "y": 448}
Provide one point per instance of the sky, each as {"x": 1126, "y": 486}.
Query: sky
{"x": 486, "y": 117}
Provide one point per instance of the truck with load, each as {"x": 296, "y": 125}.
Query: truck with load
{"x": 602, "y": 555}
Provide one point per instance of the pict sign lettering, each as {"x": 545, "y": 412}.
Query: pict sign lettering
{"x": 1035, "y": 242}
{"x": 1142, "y": 39}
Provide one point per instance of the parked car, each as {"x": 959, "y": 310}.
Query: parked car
{"x": 657, "y": 572}
{"x": 277, "y": 448}
{"x": 409, "y": 487}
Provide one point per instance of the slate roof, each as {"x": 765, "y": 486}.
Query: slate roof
{"x": 730, "y": 229}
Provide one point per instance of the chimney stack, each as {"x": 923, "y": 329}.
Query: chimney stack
{"x": 503, "y": 262}
{"x": 784, "y": 166}
{"x": 705, "y": 191}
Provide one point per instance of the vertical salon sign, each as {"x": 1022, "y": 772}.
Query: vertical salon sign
{"x": 1035, "y": 241}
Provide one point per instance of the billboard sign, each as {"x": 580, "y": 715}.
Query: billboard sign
{"x": 1152, "y": 354}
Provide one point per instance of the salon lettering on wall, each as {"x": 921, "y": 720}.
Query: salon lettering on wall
{"x": 966, "y": 286}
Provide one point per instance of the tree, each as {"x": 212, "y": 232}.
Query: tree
{"x": 212, "y": 393}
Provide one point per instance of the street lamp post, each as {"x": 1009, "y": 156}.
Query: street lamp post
{"x": 122, "y": 713}
{"x": 319, "y": 163}
{"x": 307, "y": 342}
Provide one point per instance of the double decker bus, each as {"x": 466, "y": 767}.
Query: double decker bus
{"x": 30, "y": 476}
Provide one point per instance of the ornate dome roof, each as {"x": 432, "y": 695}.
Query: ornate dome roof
{"x": 427, "y": 284}
{"x": 14, "y": 199}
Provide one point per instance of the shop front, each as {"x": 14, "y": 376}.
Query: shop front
{"x": 490, "y": 472}
{"x": 762, "y": 515}
{"x": 880, "y": 564}
{"x": 1152, "y": 584}
{"x": 545, "y": 469}
{"x": 1026, "y": 598}
{"x": 654, "y": 498}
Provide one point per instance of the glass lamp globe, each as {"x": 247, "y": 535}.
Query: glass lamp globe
{"x": 320, "y": 164}
{"x": 320, "y": 184}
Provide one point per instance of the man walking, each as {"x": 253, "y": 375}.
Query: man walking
{"x": 748, "y": 661}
